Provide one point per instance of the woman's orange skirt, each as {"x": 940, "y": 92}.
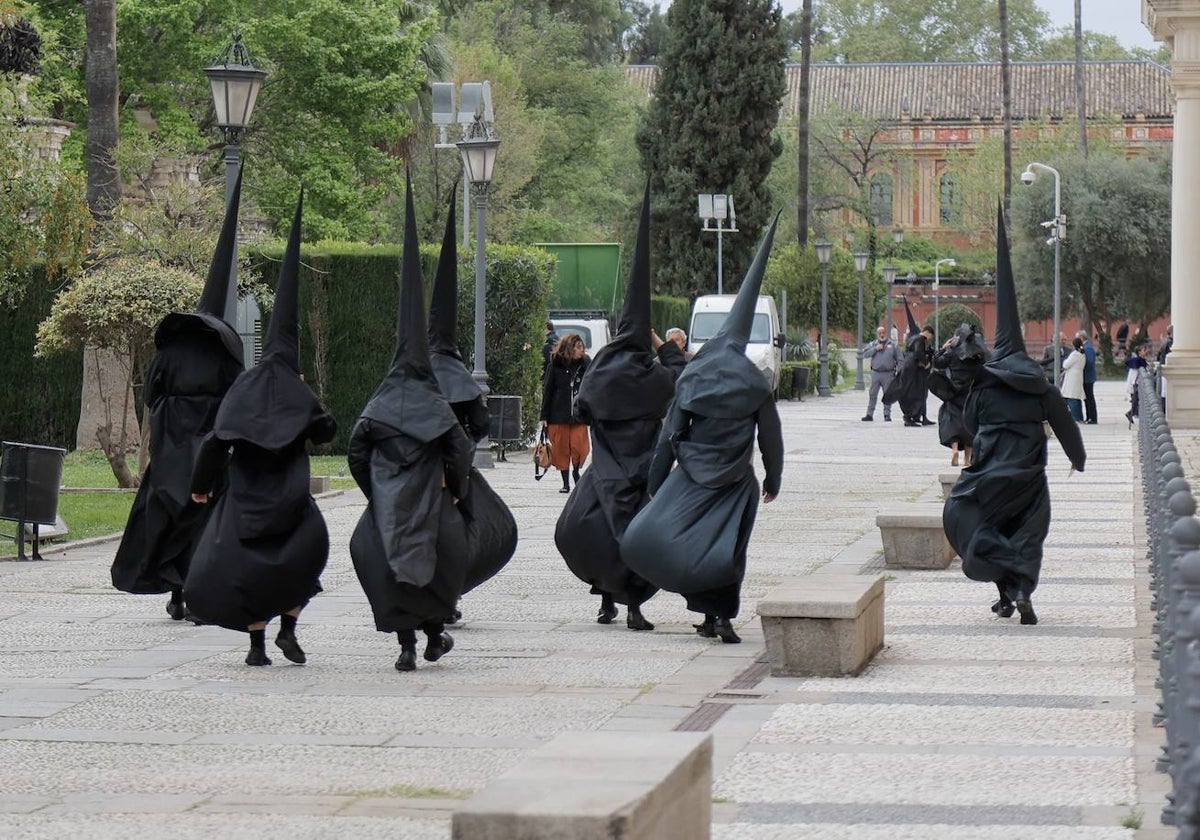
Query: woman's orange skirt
{"x": 569, "y": 444}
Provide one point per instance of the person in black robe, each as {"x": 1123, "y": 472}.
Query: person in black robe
{"x": 412, "y": 460}
{"x": 197, "y": 357}
{"x": 954, "y": 368}
{"x": 998, "y": 513}
{"x": 491, "y": 530}
{"x": 910, "y": 388}
{"x": 263, "y": 550}
{"x": 623, "y": 398}
{"x": 692, "y": 536}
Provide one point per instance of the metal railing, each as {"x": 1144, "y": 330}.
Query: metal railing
{"x": 1173, "y": 537}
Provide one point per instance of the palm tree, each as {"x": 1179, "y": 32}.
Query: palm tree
{"x": 806, "y": 19}
{"x": 103, "y": 93}
{"x": 1006, "y": 94}
{"x": 1080, "y": 101}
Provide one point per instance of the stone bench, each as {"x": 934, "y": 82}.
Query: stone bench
{"x": 948, "y": 480}
{"x": 913, "y": 537}
{"x": 596, "y": 786}
{"x": 823, "y": 625}
{"x": 318, "y": 484}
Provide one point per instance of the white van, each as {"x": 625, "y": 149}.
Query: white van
{"x": 709, "y": 313}
{"x": 592, "y": 327}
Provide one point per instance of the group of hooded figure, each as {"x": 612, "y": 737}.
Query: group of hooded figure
{"x": 224, "y": 522}
{"x": 223, "y": 519}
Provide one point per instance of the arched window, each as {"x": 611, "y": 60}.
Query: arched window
{"x": 881, "y": 198}
{"x": 951, "y": 199}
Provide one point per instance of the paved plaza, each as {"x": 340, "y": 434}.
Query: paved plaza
{"x": 116, "y": 722}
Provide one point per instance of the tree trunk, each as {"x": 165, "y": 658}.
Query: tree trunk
{"x": 1006, "y": 105}
{"x": 1080, "y": 98}
{"x": 103, "y": 94}
{"x": 802, "y": 155}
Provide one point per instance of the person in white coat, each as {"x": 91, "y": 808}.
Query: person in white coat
{"x": 1072, "y": 379}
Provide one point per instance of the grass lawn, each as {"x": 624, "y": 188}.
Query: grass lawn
{"x": 86, "y": 514}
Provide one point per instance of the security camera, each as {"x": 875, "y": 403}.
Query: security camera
{"x": 1028, "y": 177}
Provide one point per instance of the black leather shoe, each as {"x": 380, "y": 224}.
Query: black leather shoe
{"x": 1003, "y": 608}
{"x": 454, "y": 619}
{"x": 706, "y": 629}
{"x": 286, "y": 642}
{"x": 257, "y": 656}
{"x": 911, "y": 423}
{"x": 1025, "y": 608}
{"x": 925, "y": 421}
{"x": 887, "y": 419}
{"x": 607, "y": 613}
{"x": 724, "y": 629}
{"x": 634, "y": 619}
{"x": 175, "y": 609}
{"x": 408, "y": 658}
{"x": 868, "y": 419}
{"x": 438, "y": 646}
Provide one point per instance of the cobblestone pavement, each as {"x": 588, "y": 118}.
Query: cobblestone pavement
{"x": 115, "y": 721}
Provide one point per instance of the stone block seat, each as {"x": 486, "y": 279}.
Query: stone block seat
{"x": 318, "y": 484}
{"x": 823, "y": 625}
{"x": 947, "y": 480}
{"x": 597, "y": 786}
{"x": 913, "y": 537}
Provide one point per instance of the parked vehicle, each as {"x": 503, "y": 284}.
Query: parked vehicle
{"x": 709, "y": 313}
{"x": 590, "y": 325}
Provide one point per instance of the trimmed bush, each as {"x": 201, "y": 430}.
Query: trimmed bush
{"x": 667, "y": 312}
{"x": 348, "y": 298}
{"x": 39, "y": 398}
{"x": 950, "y": 316}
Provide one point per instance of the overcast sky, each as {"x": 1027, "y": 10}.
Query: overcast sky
{"x": 1120, "y": 18}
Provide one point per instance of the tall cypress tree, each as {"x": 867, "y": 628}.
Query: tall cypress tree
{"x": 710, "y": 128}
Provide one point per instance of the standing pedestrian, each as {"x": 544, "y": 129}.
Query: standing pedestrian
{"x": 1089, "y": 379}
{"x": 1164, "y": 350}
{"x": 569, "y": 445}
{"x": 883, "y": 358}
{"x": 1072, "y": 379}
{"x": 548, "y": 346}
{"x": 1136, "y": 367}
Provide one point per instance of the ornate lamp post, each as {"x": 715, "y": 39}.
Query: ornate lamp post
{"x": 889, "y": 277}
{"x": 824, "y": 252}
{"x": 860, "y": 265}
{"x": 478, "y": 150}
{"x": 235, "y": 83}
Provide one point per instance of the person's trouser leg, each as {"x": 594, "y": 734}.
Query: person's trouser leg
{"x": 1089, "y": 401}
{"x": 873, "y": 394}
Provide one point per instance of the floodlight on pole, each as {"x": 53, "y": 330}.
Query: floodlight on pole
{"x": 1058, "y": 232}
{"x": 718, "y": 208}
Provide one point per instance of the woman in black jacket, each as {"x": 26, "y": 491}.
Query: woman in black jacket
{"x": 569, "y": 445}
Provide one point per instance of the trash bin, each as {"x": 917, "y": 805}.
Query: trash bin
{"x": 505, "y": 414}
{"x": 30, "y": 476}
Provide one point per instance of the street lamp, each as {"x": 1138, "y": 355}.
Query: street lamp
{"x": 889, "y": 277}
{"x": 478, "y": 149}
{"x": 898, "y": 236}
{"x": 717, "y": 208}
{"x": 235, "y": 83}
{"x": 937, "y": 318}
{"x": 824, "y": 252}
{"x": 860, "y": 265}
{"x": 1058, "y": 232}
{"x": 452, "y": 106}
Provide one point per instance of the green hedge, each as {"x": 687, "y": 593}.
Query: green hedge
{"x": 667, "y": 312}
{"x": 39, "y": 398}
{"x": 348, "y": 297}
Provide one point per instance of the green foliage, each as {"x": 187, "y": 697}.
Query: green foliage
{"x": 947, "y": 318}
{"x": 348, "y": 296}
{"x": 667, "y": 312}
{"x": 799, "y": 272}
{"x": 39, "y": 400}
{"x": 710, "y": 128}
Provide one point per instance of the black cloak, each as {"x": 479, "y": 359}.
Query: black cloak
{"x": 692, "y": 536}
{"x": 998, "y": 513}
{"x": 623, "y": 397}
{"x": 197, "y": 357}
{"x": 491, "y": 530}
{"x": 911, "y": 384}
{"x": 412, "y": 460}
{"x": 954, "y": 369}
{"x": 265, "y": 545}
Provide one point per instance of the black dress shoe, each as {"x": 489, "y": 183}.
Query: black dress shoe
{"x": 925, "y": 421}
{"x": 607, "y": 613}
{"x": 706, "y": 628}
{"x": 868, "y": 419}
{"x": 257, "y": 656}
{"x": 455, "y": 618}
{"x": 634, "y": 619}
{"x": 286, "y": 642}
{"x": 1003, "y": 608}
{"x": 887, "y": 419}
{"x": 911, "y": 423}
{"x": 438, "y": 646}
{"x": 724, "y": 629}
{"x": 1025, "y": 608}
{"x": 175, "y": 609}
{"x": 408, "y": 658}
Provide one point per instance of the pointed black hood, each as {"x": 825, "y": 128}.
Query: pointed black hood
{"x": 720, "y": 381}
{"x": 1008, "y": 360}
{"x": 269, "y": 405}
{"x": 913, "y": 326}
{"x": 625, "y": 380}
{"x": 453, "y": 378}
{"x": 216, "y": 310}
{"x": 408, "y": 399}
